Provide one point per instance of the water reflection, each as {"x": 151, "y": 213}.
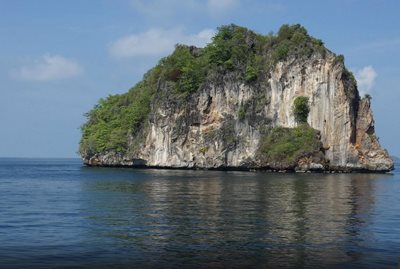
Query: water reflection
{"x": 235, "y": 219}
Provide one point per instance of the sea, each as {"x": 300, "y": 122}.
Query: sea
{"x": 58, "y": 213}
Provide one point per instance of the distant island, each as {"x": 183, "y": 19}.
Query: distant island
{"x": 280, "y": 102}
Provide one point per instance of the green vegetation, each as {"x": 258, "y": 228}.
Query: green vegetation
{"x": 349, "y": 75}
{"x": 237, "y": 48}
{"x": 251, "y": 73}
{"x": 301, "y": 109}
{"x": 368, "y": 96}
{"x": 114, "y": 124}
{"x": 232, "y": 47}
{"x": 113, "y": 119}
{"x": 241, "y": 112}
{"x": 293, "y": 40}
{"x": 338, "y": 59}
{"x": 287, "y": 145}
{"x": 184, "y": 67}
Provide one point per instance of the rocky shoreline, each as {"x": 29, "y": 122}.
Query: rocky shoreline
{"x": 232, "y": 105}
{"x": 114, "y": 162}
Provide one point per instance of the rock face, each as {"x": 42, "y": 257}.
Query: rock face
{"x": 221, "y": 125}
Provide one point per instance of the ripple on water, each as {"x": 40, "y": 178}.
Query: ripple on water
{"x": 56, "y": 213}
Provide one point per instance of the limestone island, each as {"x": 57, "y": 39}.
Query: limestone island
{"x": 246, "y": 101}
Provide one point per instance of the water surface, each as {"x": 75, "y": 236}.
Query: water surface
{"x": 56, "y": 213}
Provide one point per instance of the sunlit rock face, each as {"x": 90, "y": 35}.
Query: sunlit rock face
{"x": 198, "y": 135}
{"x": 211, "y": 129}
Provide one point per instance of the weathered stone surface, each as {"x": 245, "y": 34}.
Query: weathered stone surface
{"x": 206, "y": 131}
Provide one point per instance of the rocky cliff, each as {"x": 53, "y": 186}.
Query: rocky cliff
{"x": 230, "y": 105}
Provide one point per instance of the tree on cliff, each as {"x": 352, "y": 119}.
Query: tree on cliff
{"x": 301, "y": 109}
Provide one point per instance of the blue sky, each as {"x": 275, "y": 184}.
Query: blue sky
{"x": 59, "y": 57}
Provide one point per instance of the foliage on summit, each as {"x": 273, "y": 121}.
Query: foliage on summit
{"x": 117, "y": 121}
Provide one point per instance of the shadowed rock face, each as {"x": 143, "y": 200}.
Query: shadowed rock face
{"x": 222, "y": 123}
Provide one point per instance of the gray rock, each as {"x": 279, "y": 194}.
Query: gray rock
{"x": 207, "y": 132}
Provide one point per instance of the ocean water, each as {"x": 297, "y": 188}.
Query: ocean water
{"x": 57, "y": 213}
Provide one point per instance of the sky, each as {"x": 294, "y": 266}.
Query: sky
{"x": 58, "y": 58}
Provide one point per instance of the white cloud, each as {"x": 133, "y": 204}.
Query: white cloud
{"x": 221, "y": 6}
{"x": 49, "y": 67}
{"x": 171, "y": 8}
{"x": 157, "y": 42}
{"x": 200, "y": 39}
{"x": 165, "y": 8}
{"x": 366, "y": 79}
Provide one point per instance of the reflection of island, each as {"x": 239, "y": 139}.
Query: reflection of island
{"x": 241, "y": 219}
